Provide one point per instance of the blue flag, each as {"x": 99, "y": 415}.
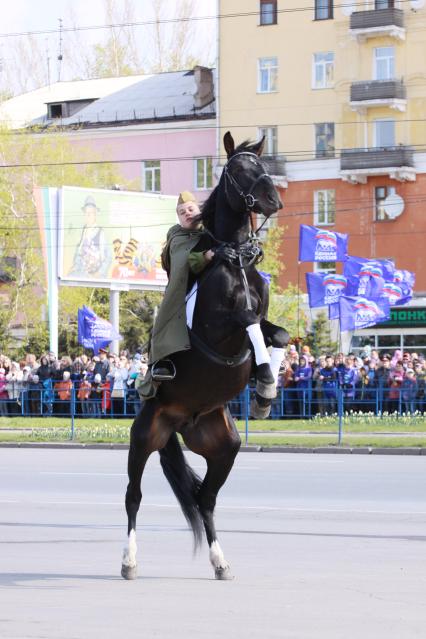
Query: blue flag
{"x": 397, "y": 294}
{"x": 354, "y": 266}
{"x": 360, "y": 312}
{"x": 93, "y": 331}
{"x": 265, "y": 276}
{"x": 324, "y": 288}
{"x": 334, "y": 311}
{"x": 405, "y": 280}
{"x": 322, "y": 245}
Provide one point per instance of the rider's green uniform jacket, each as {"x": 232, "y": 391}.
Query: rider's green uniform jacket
{"x": 170, "y": 333}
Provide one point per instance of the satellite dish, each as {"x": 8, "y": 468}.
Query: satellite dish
{"x": 393, "y": 205}
{"x": 417, "y": 4}
{"x": 348, "y": 7}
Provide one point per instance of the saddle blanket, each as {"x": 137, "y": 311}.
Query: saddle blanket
{"x": 190, "y": 300}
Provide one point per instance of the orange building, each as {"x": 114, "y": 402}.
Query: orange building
{"x": 339, "y": 91}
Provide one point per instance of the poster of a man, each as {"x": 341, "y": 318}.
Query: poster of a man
{"x": 93, "y": 255}
{"x": 107, "y": 236}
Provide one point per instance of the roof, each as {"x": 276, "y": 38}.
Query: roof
{"x": 137, "y": 97}
{"x": 163, "y": 95}
{"x": 30, "y": 108}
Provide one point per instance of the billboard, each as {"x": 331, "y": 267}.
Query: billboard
{"x": 109, "y": 237}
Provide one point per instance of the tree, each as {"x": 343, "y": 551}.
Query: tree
{"x": 284, "y": 304}
{"x": 319, "y": 337}
{"x": 28, "y": 160}
{"x": 119, "y": 54}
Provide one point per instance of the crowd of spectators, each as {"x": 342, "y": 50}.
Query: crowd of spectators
{"x": 370, "y": 382}
{"x": 107, "y": 384}
{"x": 367, "y": 383}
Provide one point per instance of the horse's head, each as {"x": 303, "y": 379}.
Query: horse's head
{"x": 248, "y": 186}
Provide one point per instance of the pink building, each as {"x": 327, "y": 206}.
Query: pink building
{"x": 160, "y": 130}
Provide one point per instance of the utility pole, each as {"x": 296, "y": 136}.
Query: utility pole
{"x": 60, "y": 56}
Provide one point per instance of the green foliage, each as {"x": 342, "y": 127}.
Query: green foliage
{"x": 32, "y": 160}
{"x": 111, "y": 60}
{"x": 319, "y": 337}
{"x": 284, "y": 304}
{"x": 136, "y": 317}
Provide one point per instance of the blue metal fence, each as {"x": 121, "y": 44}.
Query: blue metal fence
{"x": 290, "y": 403}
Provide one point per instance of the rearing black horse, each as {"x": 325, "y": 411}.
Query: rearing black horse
{"x": 218, "y": 365}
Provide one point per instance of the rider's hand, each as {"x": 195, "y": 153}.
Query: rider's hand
{"x": 225, "y": 252}
{"x": 209, "y": 255}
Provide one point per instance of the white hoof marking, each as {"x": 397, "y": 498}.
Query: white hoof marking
{"x": 217, "y": 559}
{"x": 130, "y": 550}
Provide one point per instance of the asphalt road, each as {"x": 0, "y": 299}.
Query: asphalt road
{"x": 321, "y": 546}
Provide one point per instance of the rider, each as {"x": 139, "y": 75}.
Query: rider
{"x": 182, "y": 265}
{"x": 188, "y": 250}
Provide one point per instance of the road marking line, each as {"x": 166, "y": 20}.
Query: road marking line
{"x": 261, "y": 508}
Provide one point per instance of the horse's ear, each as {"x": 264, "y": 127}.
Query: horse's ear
{"x": 229, "y": 144}
{"x": 258, "y": 148}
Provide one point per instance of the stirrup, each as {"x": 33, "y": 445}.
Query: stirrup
{"x": 163, "y": 370}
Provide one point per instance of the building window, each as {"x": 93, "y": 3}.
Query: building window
{"x": 384, "y": 133}
{"x": 271, "y": 139}
{"x": 203, "y": 173}
{"x": 384, "y": 4}
{"x": 268, "y": 12}
{"x": 324, "y": 267}
{"x": 323, "y": 9}
{"x": 324, "y": 207}
{"x": 151, "y": 176}
{"x": 267, "y": 75}
{"x": 323, "y": 70}
{"x": 384, "y": 63}
{"x": 324, "y": 140}
{"x": 55, "y": 110}
{"x": 380, "y": 195}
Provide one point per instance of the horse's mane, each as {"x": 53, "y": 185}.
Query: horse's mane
{"x": 209, "y": 206}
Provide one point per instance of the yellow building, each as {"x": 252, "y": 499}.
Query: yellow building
{"x": 321, "y": 78}
{"x": 339, "y": 90}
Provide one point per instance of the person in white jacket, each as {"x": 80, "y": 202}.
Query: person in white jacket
{"x": 14, "y": 380}
{"x": 118, "y": 376}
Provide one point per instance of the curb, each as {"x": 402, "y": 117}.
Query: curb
{"x": 327, "y": 450}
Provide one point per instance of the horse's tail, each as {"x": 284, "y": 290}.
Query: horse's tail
{"x": 185, "y": 484}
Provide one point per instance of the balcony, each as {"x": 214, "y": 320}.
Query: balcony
{"x": 391, "y": 93}
{"x": 356, "y": 165}
{"x": 275, "y": 165}
{"x": 376, "y": 23}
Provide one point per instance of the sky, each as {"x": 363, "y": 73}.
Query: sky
{"x": 26, "y": 15}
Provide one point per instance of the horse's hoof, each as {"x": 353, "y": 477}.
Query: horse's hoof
{"x": 264, "y": 374}
{"x": 259, "y": 412}
{"x": 267, "y": 391}
{"x": 129, "y": 572}
{"x": 223, "y": 574}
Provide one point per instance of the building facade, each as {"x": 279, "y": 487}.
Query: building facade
{"x": 159, "y": 130}
{"x": 339, "y": 91}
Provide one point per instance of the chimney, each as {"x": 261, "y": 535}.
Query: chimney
{"x": 204, "y": 93}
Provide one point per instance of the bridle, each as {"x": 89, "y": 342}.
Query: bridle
{"x": 248, "y": 198}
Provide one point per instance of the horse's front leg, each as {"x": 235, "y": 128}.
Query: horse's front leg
{"x": 266, "y": 388}
{"x": 216, "y": 438}
{"x": 145, "y": 437}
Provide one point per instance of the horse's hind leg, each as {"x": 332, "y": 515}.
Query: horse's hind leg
{"x": 147, "y": 434}
{"x": 216, "y": 438}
